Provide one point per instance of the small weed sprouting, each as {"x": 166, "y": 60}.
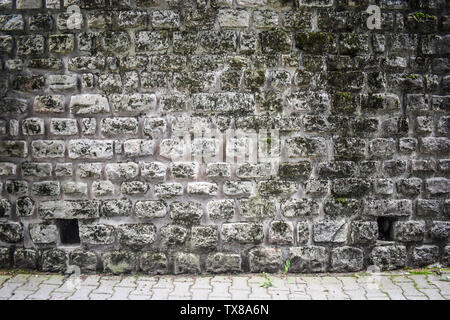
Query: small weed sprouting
{"x": 267, "y": 281}
{"x": 287, "y": 265}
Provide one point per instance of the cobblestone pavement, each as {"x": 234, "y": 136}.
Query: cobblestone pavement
{"x": 385, "y": 286}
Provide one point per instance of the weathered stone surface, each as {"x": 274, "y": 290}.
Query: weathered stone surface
{"x": 150, "y": 209}
{"x": 308, "y": 259}
{"x": 204, "y": 237}
{"x": 119, "y": 126}
{"x": 45, "y": 189}
{"x": 168, "y": 190}
{"x": 89, "y": 104}
{"x": 440, "y": 230}
{"x": 425, "y": 255}
{"x": 135, "y": 103}
{"x": 115, "y": 208}
{"x": 281, "y": 232}
{"x": 5, "y": 208}
{"x": 186, "y": 213}
{"x": 342, "y": 207}
{"x": 43, "y": 233}
{"x": 153, "y": 263}
{"x": 223, "y": 263}
{"x": 90, "y": 149}
{"x": 48, "y": 149}
{"x": 202, "y": 188}
{"x": 409, "y": 231}
{"x": 265, "y": 260}
{"x": 437, "y": 186}
{"x": 25, "y": 207}
{"x": 11, "y": 232}
{"x": 136, "y": 236}
{"x": 242, "y": 232}
{"x": 122, "y": 171}
{"x": 214, "y": 130}
{"x": 389, "y": 257}
{"x": 330, "y": 231}
{"x": 26, "y": 258}
{"x": 69, "y": 209}
{"x": 5, "y": 258}
{"x": 96, "y": 234}
{"x": 86, "y": 260}
{"x": 186, "y": 263}
{"x": 346, "y": 259}
{"x": 221, "y": 209}
{"x": 173, "y": 235}
{"x": 388, "y": 208}
{"x": 364, "y": 231}
{"x": 54, "y": 260}
{"x": 299, "y": 207}
{"x": 118, "y": 262}
{"x": 257, "y": 208}
{"x": 16, "y": 149}
{"x": 153, "y": 170}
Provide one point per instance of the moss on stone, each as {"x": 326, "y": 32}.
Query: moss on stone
{"x": 343, "y": 201}
{"x": 422, "y": 17}
{"x": 346, "y": 95}
{"x": 412, "y": 76}
{"x": 313, "y": 41}
{"x": 279, "y": 227}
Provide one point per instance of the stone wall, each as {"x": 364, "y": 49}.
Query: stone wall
{"x": 168, "y": 136}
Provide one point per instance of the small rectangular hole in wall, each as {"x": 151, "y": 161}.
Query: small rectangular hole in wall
{"x": 68, "y": 231}
{"x": 385, "y": 228}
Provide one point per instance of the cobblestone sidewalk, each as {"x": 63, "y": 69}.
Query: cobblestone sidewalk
{"x": 395, "y": 286}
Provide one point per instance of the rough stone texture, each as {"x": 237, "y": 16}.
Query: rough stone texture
{"x": 308, "y": 259}
{"x": 118, "y": 262}
{"x": 186, "y": 263}
{"x": 223, "y": 263}
{"x": 389, "y": 257}
{"x": 265, "y": 260}
{"x": 153, "y": 263}
{"x": 346, "y": 259}
{"x": 204, "y": 136}
{"x": 86, "y": 260}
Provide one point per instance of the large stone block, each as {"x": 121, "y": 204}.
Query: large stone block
{"x": 54, "y": 260}
{"x": 265, "y": 260}
{"x": 330, "y": 231}
{"x": 346, "y": 259}
{"x": 153, "y": 263}
{"x": 116, "y": 208}
{"x": 257, "y": 208}
{"x": 11, "y": 232}
{"x": 5, "y": 257}
{"x": 186, "y": 263}
{"x": 90, "y": 149}
{"x": 87, "y": 104}
{"x": 223, "y": 263}
{"x": 86, "y": 260}
{"x": 242, "y": 232}
{"x": 136, "y": 236}
{"x": 43, "y": 233}
{"x": 308, "y": 259}
{"x": 389, "y": 257}
{"x": 119, "y": 262}
{"x": 93, "y": 234}
{"x": 204, "y": 237}
{"x": 69, "y": 209}
{"x": 409, "y": 231}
